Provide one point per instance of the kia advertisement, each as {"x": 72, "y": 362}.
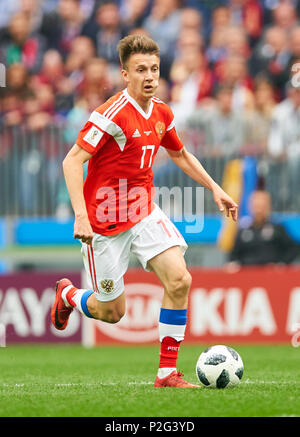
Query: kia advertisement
{"x": 253, "y": 305}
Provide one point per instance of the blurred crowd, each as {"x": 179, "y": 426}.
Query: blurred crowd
{"x": 226, "y": 68}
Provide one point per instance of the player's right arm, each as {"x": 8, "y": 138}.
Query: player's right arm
{"x": 73, "y": 173}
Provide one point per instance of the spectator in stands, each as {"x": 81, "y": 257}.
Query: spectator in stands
{"x": 61, "y": 26}
{"x": 226, "y": 40}
{"x": 283, "y": 141}
{"x": 14, "y": 94}
{"x": 17, "y": 80}
{"x": 222, "y": 127}
{"x": 221, "y": 17}
{"x": 96, "y": 80}
{"x": 38, "y": 109}
{"x": 249, "y": 15}
{"x": 53, "y": 74}
{"x": 82, "y": 50}
{"x": 284, "y": 147}
{"x": 106, "y": 31}
{"x": 271, "y": 57}
{"x": 191, "y": 19}
{"x": 7, "y": 10}
{"x": 11, "y": 109}
{"x": 33, "y": 10}
{"x": 236, "y": 42}
{"x": 188, "y": 39}
{"x": 163, "y": 25}
{"x": 231, "y": 42}
{"x": 52, "y": 70}
{"x": 233, "y": 57}
{"x": 294, "y": 47}
{"x": 133, "y": 13}
{"x": 285, "y": 16}
{"x": 192, "y": 82}
{"x": 262, "y": 241}
{"x": 234, "y": 72}
{"x": 21, "y": 45}
{"x": 46, "y": 99}
{"x": 269, "y": 7}
{"x": 257, "y": 120}
{"x": 215, "y": 46}
{"x": 215, "y": 51}
{"x": 189, "y": 32}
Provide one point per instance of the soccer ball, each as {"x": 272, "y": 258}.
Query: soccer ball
{"x": 219, "y": 367}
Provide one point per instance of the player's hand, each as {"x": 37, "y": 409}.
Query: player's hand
{"x": 83, "y": 230}
{"x": 225, "y": 203}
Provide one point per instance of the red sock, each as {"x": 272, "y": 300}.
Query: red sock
{"x": 169, "y": 348}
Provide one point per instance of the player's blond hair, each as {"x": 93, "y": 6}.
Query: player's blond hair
{"x": 133, "y": 44}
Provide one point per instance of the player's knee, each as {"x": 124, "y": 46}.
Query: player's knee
{"x": 178, "y": 287}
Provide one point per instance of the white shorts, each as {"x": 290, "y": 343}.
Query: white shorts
{"x": 106, "y": 259}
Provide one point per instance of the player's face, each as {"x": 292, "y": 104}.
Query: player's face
{"x": 142, "y": 76}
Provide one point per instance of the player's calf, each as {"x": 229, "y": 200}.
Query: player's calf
{"x": 69, "y": 297}
{"x": 110, "y": 312}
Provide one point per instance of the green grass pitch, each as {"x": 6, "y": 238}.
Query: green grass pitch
{"x": 110, "y": 381}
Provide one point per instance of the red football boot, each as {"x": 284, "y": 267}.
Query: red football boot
{"x": 60, "y": 312}
{"x": 173, "y": 380}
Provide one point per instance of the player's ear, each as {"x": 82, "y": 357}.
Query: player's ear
{"x": 125, "y": 74}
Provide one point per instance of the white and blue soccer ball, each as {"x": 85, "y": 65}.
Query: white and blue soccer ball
{"x": 219, "y": 366}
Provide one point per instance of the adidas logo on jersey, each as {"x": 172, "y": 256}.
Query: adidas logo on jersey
{"x": 136, "y": 134}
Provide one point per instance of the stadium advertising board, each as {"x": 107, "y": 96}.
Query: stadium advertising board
{"x": 255, "y": 305}
{"x": 25, "y": 305}
{"x": 259, "y": 305}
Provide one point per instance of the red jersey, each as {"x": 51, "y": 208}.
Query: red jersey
{"x": 123, "y": 140}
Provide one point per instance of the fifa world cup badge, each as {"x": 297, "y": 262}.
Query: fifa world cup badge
{"x": 107, "y": 285}
{"x": 94, "y": 134}
{"x": 160, "y": 128}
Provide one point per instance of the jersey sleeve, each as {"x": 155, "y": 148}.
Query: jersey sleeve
{"x": 170, "y": 139}
{"x": 91, "y": 138}
{"x": 97, "y": 131}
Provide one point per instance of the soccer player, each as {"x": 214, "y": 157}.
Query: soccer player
{"x": 114, "y": 210}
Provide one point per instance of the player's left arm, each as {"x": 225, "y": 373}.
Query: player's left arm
{"x": 188, "y": 163}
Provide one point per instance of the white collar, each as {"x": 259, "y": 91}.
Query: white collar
{"x": 134, "y": 103}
